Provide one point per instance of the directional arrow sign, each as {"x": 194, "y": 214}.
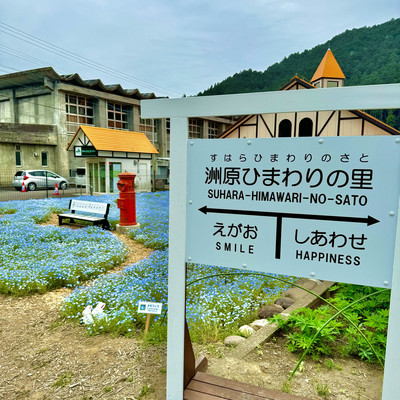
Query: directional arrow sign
{"x": 325, "y": 208}
{"x": 279, "y": 215}
{"x": 368, "y": 220}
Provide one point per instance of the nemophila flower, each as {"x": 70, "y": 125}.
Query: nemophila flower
{"x": 36, "y": 258}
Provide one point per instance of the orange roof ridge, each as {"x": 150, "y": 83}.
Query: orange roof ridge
{"x": 328, "y": 68}
{"x": 116, "y": 140}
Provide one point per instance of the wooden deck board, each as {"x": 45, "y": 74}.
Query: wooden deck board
{"x": 208, "y": 387}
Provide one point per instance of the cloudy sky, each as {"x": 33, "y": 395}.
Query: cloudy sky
{"x": 172, "y": 47}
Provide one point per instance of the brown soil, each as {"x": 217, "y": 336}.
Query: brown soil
{"x": 44, "y": 358}
{"x": 271, "y": 365}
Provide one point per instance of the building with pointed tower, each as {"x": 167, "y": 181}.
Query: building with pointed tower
{"x": 318, "y": 123}
{"x": 328, "y": 73}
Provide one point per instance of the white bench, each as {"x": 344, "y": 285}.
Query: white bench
{"x": 87, "y": 206}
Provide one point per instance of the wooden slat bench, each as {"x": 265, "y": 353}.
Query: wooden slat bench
{"x": 209, "y": 387}
{"x": 90, "y": 207}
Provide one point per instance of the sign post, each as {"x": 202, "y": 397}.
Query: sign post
{"x": 149, "y": 308}
{"x": 323, "y": 208}
{"x": 291, "y": 233}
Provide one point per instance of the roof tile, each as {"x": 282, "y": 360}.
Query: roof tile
{"x": 116, "y": 140}
{"x": 328, "y": 68}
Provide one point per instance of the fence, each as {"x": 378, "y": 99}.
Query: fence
{"x": 9, "y": 192}
{"x": 144, "y": 183}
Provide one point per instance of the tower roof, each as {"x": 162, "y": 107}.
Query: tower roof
{"x": 328, "y": 68}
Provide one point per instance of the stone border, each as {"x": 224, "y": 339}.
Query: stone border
{"x": 265, "y": 333}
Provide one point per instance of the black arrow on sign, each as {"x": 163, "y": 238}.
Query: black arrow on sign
{"x": 279, "y": 215}
{"x": 369, "y": 220}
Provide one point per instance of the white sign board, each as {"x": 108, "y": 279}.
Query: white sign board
{"x": 148, "y": 307}
{"x": 322, "y": 208}
{"x": 78, "y": 151}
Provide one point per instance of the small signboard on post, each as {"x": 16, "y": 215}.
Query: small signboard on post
{"x": 149, "y": 308}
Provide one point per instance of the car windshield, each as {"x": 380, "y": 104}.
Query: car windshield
{"x": 20, "y": 173}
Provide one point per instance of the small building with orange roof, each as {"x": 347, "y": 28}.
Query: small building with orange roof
{"x": 108, "y": 152}
{"x": 318, "y": 123}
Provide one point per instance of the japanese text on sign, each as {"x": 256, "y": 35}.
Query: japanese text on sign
{"x": 305, "y": 205}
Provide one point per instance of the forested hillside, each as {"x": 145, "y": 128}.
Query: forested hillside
{"x": 367, "y": 56}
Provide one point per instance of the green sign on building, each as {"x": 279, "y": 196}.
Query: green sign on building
{"x": 85, "y": 151}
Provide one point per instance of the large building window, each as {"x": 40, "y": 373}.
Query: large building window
{"x": 305, "y": 127}
{"x": 214, "y": 129}
{"x": 149, "y": 127}
{"x": 79, "y": 112}
{"x": 285, "y": 128}
{"x": 117, "y": 116}
{"x": 195, "y": 128}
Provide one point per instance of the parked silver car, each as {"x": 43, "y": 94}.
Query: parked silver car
{"x": 38, "y": 179}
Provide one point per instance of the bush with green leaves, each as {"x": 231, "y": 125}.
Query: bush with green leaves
{"x": 363, "y": 325}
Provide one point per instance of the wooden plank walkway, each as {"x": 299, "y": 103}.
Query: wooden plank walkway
{"x": 208, "y": 387}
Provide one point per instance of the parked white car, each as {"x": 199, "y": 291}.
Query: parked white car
{"x": 38, "y": 179}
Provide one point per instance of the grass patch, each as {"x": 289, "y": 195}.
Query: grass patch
{"x": 145, "y": 390}
{"x": 63, "y": 380}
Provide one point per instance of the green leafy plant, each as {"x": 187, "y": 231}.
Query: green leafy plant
{"x": 145, "y": 390}
{"x": 364, "y": 337}
{"x": 322, "y": 390}
{"x": 63, "y": 379}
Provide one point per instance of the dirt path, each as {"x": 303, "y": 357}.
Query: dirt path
{"x": 42, "y": 357}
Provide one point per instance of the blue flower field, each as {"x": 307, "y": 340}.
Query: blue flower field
{"x": 36, "y": 258}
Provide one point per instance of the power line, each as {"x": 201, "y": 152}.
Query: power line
{"x": 24, "y": 56}
{"x": 73, "y": 56}
{"x": 45, "y": 105}
{"x": 14, "y": 32}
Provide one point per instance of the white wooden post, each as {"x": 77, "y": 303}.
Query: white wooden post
{"x": 392, "y": 359}
{"x": 177, "y": 261}
{"x": 345, "y": 98}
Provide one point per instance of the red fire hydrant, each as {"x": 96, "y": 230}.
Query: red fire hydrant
{"x": 127, "y": 199}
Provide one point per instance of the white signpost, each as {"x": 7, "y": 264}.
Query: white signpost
{"x": 318, "y": 207}
{"x": 326, "y": 208}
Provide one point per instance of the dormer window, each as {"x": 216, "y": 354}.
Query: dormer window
{"x": 333, "y": 84}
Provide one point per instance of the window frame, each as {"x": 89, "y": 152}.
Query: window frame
{"x": 117, "y": 116}
{"x": 46, "y": 153}
{"x": 195, "y": 128}
{"x": 149, "y": 127}
{"x": 214, "y": 129}
{"x": 18, "y": 155}
{"x": 79, "y": 110}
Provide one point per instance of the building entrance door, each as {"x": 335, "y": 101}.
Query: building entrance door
{"x": 115, "y": 169}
